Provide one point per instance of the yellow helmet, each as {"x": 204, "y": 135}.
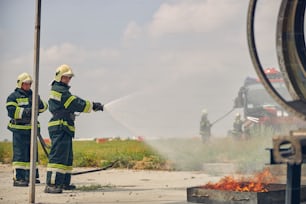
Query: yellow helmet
{"x": 23, "y": 78}
{"x": 63, "y": 70}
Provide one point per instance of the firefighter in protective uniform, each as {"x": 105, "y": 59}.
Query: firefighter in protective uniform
{"x": 237, "y": 127}
{"x": 19, "y": 107}
{"x": 63, "y": 105}
{"x": 205, "y": 126}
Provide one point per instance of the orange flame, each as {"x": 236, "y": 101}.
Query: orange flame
{"x": 259, "y": 183}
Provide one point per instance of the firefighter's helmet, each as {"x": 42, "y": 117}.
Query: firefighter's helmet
{"x": 204, "y": 112}
{"x": 23, "y": 78}
{"x": 63, "y": 70}
{"x": 237, "y": 116}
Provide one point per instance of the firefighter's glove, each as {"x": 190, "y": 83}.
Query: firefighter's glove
{"x": 96, "y": 106}
{"x": 27, "y": 113}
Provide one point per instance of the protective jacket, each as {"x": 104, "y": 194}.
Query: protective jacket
{"x": 63, "y": 105}
{"x": 18, "y": 105}
{"x": 237, "y": 125}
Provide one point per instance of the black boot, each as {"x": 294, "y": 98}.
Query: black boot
{"x": 69, "y": 187}
{"x": 37, "y": 181}
{"x": 53, "y": 189}
{"x": 20, "y": 183}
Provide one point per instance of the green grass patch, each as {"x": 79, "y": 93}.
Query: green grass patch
{"x": 129, "y": 153}
{"x": 6, "y": 149}
{"x": 190, "y": 154}
{"x": 167, "y": 154}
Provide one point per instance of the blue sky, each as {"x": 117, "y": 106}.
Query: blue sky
{"x": 164, "y": 60}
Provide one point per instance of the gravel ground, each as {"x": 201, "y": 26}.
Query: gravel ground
{"x": 110, "y": 186}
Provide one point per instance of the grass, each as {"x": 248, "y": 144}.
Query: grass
{"x": 130, "y": 153}
{"x": 167, "y": 154}
{"x": 190, "y": 154}
{"x": 5, "y": 152}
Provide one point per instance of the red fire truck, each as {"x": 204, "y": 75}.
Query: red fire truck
{"x": 258, "y": 106}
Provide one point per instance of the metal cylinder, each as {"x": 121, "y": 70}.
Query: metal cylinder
{"x": 290, "y": 149}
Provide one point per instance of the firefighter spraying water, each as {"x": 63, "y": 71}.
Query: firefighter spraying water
{"x": 206, "y": 125}
{"x": 63, "y": 105}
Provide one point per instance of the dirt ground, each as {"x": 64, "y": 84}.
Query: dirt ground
{"x": 124, "y": 186}
{"x": 110, "y": 186}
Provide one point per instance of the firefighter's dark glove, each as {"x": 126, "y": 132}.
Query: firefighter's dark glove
{"x": 27, "y": 113}
{"x": 96, "y": 106}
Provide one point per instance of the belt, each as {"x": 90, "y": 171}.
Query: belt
{"x": 63, "y": 115}
{"x": 26, "y": 121}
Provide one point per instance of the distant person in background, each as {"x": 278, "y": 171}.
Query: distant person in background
{"x": 19, "y": 107}
{"x": 237, "y": 127}
{"x": 63, "y": 105}
{"x": 205, "y": 127}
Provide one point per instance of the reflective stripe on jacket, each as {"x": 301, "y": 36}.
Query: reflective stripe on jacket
{"x": 63, "y": 105}
{"x": 16, "y": 104}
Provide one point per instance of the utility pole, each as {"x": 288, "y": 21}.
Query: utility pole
{"x": 35, "y": 103}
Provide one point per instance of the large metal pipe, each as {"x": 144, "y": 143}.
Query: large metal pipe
{"x": 292, "y": 59}
{"x": 255, "y": 58}
{"x": 291, "y": 46}
{"x": 291, "y": 54}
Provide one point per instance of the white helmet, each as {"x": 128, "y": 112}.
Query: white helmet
{"x": 23, "y": 78}
{"x": 204, "y": 112}
{"x": 63, "y": 70}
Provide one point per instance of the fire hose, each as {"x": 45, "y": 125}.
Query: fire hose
{"x": 45, "y": 147}
{"x": 43, "y": 144}
{"x": 223, "y": 116}
{"x": 95, "y": 170}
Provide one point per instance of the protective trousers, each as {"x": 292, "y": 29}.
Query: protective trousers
{"x": 21, "y": 156}
{"x": 60, "y": 159}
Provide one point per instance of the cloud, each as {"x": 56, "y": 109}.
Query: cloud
{"x": 76, "y": 54}
{"x": 133, "y": 31}
{"x": 192, "y": 16}
{"x": 62, "y": 53}
{"x": 190, "y": 36}
{"x": 190, "y": 55}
